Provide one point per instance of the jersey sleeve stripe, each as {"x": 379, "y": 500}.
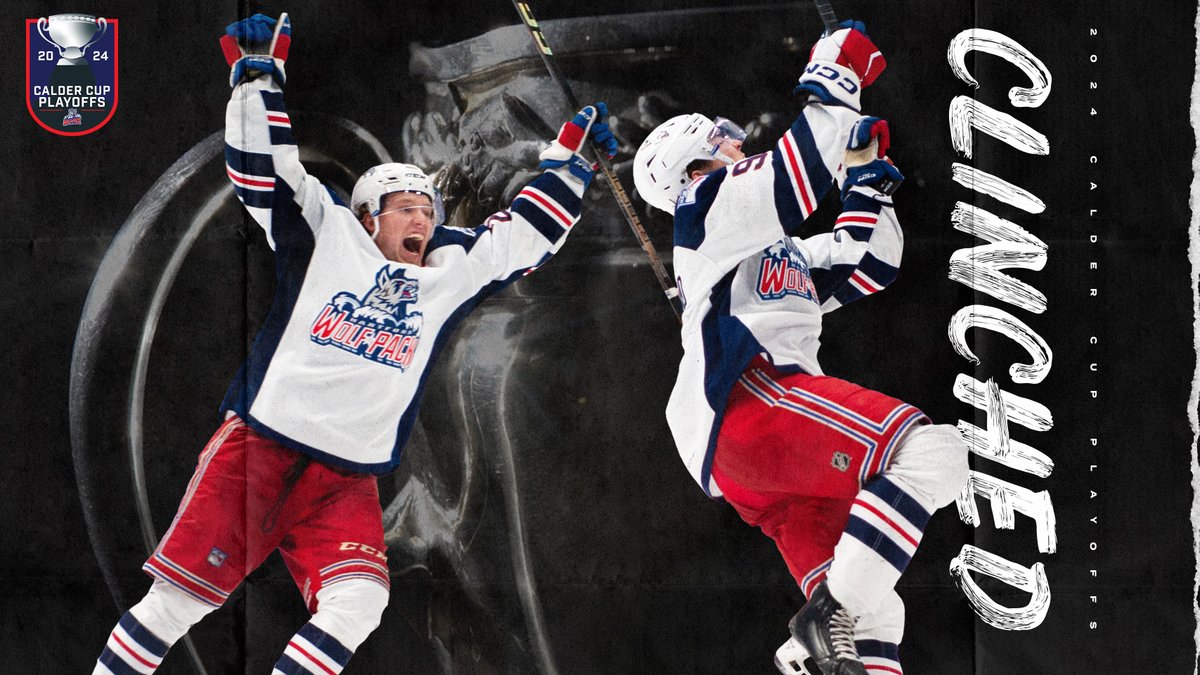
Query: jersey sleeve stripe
{"x": 279, "y": 118}
{"x": 258, "y": 199}
{"x": 801, "y": 177}
{"x": 864, "y": 284}
{"x": 548, "y": 205}
{"x": 280, "y": 135}
{"x": 856, "y": 232}
{"x": 564, "y": 196}
{"x": 857, "y": 217}
{"x": 829, "y": 281}
{"x": 876, "y": 270}
{"x": 798, "y": 174}
{"x": 250, "y": 182}
{"x": 534, "y": 214}
{"x": 247, "y": 163}
{"x": 273, "y": 101}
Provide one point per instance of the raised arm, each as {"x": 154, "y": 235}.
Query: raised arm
{"x": 862, "y": 254}
{"x": 515, "y": 241}
{"x": 261, "y": 158}
{"x": 809, "y": 155}
{"x": 797, "y": 173}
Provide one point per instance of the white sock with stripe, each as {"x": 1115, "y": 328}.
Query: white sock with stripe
{"x": 888, "y": 517}
{"x": 886, "y": 525}
{"x": 142, "y": 637}
{"x": 312, "y": 651}
{"x": 347, "y": 612}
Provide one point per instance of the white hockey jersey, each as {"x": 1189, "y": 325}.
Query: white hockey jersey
{"x": 338, "y": 368}
{"x": 751, "y": 288}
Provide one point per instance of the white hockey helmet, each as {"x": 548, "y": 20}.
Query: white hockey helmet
{"x": 394, "y": 177}
{"x": 660, "y": 165}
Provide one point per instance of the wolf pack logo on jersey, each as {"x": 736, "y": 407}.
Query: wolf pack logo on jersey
{"x": 378, "y": 326}
{"x": 784, "y": 272}
{"x": 71, "y": 72}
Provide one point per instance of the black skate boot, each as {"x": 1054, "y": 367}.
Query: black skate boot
{"x": 826, "y": 630}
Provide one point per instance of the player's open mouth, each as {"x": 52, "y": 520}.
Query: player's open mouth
{"x": 412, "y": 243}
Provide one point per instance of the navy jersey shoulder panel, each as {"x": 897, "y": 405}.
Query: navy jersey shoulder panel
{"x": 445, "y": 235}
{"x": 728, "y": 348}
{"x": 693, "y": 208}
{"x": 293, "y": 251}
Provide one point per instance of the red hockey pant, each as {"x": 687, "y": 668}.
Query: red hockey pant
{"x": 794, "y": 451}
{"x": 251, "y": 495}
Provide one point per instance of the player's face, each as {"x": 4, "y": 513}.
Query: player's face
{"x": 405, "y": 225}
{"x": 731, "y": 148}
{"x": 726, "y": 140}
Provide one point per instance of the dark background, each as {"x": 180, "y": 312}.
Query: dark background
{"x": 635, "y": 570}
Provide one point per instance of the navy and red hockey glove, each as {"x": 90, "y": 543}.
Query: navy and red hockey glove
{"x": 255, "y": 46}
{"x": 841, "y": 65}
{"x": 867, "y": 164}
{"x": 588, "y": 123}
{"x": 870, "y": 134}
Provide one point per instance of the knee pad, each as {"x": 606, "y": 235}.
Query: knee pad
{"x": 932, "y": 461}
{"x": 350, "y": 610}
{"x": 168, "y": 612}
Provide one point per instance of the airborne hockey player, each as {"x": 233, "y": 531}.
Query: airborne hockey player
{"x": 842, "y": 478}
{"x": 365, "y": 296}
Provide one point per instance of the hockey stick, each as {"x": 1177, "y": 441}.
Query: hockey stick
{"x": 543, "y": 48}
{"x": 825, "y": 9}
{"x": 282, "y": 20}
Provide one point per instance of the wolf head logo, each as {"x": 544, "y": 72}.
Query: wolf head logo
{"x": 386, "y": 304}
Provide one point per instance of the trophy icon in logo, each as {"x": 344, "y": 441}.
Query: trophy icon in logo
{"x": 72, "y": 34}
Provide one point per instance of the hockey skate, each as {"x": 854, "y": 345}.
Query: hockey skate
{"x": 826, "y": 630}
{"x": 792, "y": 659}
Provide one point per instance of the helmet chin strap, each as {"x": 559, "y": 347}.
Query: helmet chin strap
{"x": 375, "y": 232}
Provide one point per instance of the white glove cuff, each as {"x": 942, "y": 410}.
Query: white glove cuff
{"x": 839, "y": 81}
{"x": 556, "y": 152}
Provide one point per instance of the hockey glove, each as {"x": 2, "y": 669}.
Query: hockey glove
{"x": 879, "y": 175}
{"x": 870, "y": 139}
{"x": 255, "y": 46}
{"x": 867, "y": 164}
{"x": 840, "y": 65}
{"x": 588, "y": 123}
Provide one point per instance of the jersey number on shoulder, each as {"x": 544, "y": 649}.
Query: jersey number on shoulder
{"x": 749, "y": 164}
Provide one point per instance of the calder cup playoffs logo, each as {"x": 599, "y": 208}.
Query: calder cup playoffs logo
{"x": 378, "y": 326}
{"x": 71, "y": 72}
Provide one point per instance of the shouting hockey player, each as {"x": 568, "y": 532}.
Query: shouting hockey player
{"x": 842, "y": 478}
{"x": 365, "y": 297}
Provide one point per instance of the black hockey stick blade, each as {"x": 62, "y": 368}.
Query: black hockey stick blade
{"x": 828, "y": 17}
